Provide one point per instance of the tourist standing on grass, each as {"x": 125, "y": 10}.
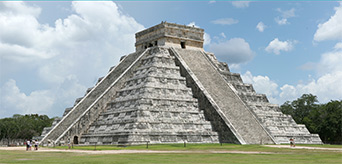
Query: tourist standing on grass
{"x": 36, "y": 145}
{"x": 28, "y": 143}
{"x": 69, "y": 143}
{"x": 292, "y": 142}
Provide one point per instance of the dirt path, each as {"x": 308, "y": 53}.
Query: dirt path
{"x": 305, "y": 147}
{"x": 166, "y": 151}
{"x": 129, "y": 151}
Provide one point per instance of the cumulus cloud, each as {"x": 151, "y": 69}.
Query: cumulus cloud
{"x": 331, "y": 29}
{"x": 262, "y": 84}
{"x": 330, "y": 62}
{"x": 327, "y": 87}
{"x": 284, "y": 16}
{"x": 276, "y": 46}
{"x": 338, "y": 46}
{"x": 15, "y": 101}
{"x": 91, "y": 40}
{"x": 235, "y": 51}
{"x": 241, "y": 4}
{"x": 281, "y": 21}
{"x": 225, "y": 21}
{"x": 326, "y": 84}
{"x": 207, "y": 39}
{"x": 261, "y": 26}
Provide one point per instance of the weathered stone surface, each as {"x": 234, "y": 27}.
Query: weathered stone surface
{"x": 171, "y": 91}
{"x": 236, "y": 114}
{"x": 281, "y": 127}
{"x": 154, "y": 105}
{"x": 87, "y": 110}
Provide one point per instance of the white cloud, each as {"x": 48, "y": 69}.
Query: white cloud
{"x": 241, "y": 4}
{"x": 338, "y": 46}
{"x": 91, "y": 40}
{"x": 223, "y": 35}
{"x": 225, "y": 21}
{"x": 207, "y": 39}
{"x": 281, "y": 21}
{"x": 262, "y": 84}
{"x": 326, "y": 86}
{"x": 211, "y": 2}
{"x": 330, "y": 62}
{"x": 14, "y": 101}
{"x": 20, "y": 8}
{"x": 285, "y": 14}
{"x": 193, "y": 24}
{"x": 235, "y": 51}
{"x": 261, "y": 26}
{"x": 206, "y": 36}
{"x": 331, "y": 29}
{"x": 276, "y": 46}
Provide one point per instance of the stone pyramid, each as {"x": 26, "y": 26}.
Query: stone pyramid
{"x": 154, "y": 105}
{"x": 170, "y": 91}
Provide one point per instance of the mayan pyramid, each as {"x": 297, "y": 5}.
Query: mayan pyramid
{"x": 171, "y": 91}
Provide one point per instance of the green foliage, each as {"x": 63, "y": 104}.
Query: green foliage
{"x": 324, "y": 119}
{"x": 23, "y": 126}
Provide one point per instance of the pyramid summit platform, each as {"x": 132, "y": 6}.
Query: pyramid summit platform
{"x": 171, "y": 91}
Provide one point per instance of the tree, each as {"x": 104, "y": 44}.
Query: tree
{"x": 330, "y": 124}
{"x": 23, "y": 126}
{"x": 324, "y": 119}
{"x": 299, "y": 109}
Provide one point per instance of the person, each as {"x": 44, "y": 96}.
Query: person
{"x": 292, "y": 143}
{"x": 36, "y": 145}
{"x": 30, "y": 145}
{"x": 69, "y": 143}
{"x": 27, "y": 145}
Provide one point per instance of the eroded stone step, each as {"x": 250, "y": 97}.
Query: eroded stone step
{"x": 243, "y": 87}
{"x": 253, "y": 97}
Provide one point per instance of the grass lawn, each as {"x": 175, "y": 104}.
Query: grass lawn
{"x": 281, "y": 155}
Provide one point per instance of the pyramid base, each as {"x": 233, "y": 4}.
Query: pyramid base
{"x": 137, "y": 138}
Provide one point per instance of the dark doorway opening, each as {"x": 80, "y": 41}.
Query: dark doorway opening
{"x": 183, "y": 45}
{"x": 75, "y": 140}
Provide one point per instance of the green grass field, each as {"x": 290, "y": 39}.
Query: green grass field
{"x": 194, "y": 153}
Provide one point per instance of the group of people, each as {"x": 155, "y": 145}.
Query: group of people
{"x": 30, "y": 143}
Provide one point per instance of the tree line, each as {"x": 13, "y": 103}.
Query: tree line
{"x": 323, "y": 119}
{"x": 23, "y": 126}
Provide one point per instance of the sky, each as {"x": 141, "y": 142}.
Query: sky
{"x": 51, "y": 52}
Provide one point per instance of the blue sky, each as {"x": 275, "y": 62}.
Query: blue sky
{"x": 51, "y": 52}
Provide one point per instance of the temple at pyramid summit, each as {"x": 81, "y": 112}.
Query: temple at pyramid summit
{"x": 171, "y": 91}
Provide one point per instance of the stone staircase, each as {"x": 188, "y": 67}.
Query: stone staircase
{"x": 282, "y": 127}
{"x": 154, "y": 105}
{"x": 237, "y": 116}
{"x": 77, "y": 119}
